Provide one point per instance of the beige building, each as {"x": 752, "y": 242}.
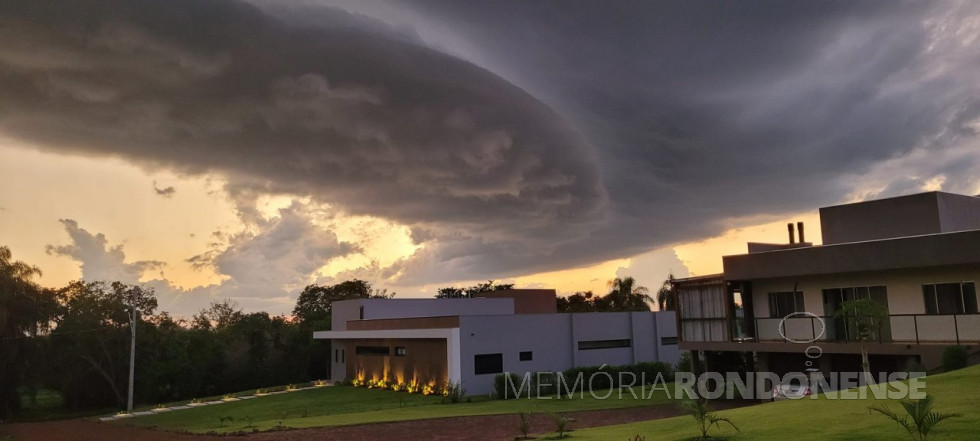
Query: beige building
{"x": 917, "y": 255}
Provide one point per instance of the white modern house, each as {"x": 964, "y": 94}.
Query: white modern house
{"x": 469, "y": 341}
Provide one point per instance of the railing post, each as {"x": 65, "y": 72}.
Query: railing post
{"x": 915, "y": 321}
{"x": 956, "y": 327}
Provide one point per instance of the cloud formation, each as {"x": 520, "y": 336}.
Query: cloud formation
{"x": 166, "y": 192}
{"x": 511, "y": 138}
{"x": 99, "y": 261}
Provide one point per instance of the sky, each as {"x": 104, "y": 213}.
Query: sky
{"x": 243, "y": 150}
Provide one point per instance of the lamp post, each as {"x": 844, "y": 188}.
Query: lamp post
{"x": 132, "y": 351}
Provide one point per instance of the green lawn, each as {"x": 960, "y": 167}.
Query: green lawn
{"x": 822, "y": 419}
{"x": 341, "y": 405}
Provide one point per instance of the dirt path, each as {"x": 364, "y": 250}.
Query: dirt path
{"x": 480, "y": 428}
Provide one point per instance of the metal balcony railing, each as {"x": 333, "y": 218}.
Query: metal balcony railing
{"x": 901, "y": 328}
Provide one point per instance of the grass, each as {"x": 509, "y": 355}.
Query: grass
{"x": 822, "y": 419}
{"x": 341, "y": 405}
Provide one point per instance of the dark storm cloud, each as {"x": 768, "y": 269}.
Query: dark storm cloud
{"x": 703, "y": 111}
{"x": 685, "y": 114}
{"x": 363, "y": 119}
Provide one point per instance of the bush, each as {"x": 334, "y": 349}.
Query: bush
{"x": 454, "y": 392}
{"x": 955, "y": 357}
{"x": 502, "y": 389}
{"x": 685, "y": 364}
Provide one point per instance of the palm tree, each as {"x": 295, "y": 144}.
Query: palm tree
{"x": 626, "y": 295}
{"x": 866, "y": 317}
{"x": 705, "y": 419}
{"x": 921, "y": 418}
{"x": 665, "y": 295}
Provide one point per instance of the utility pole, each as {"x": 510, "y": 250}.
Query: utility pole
{"x": 132, "y": 349}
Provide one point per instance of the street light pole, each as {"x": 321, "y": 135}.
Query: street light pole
{"x": 132, "y": 351}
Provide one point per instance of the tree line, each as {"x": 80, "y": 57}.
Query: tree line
{"x": 75, "y": 340}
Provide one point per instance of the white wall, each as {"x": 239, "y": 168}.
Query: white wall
{"x": 553, "y": 340}
{"x": 406, "y": 308}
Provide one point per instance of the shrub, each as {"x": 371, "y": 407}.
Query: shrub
{"x": 685, "y": 364}
{"x": 502, "y": 389}
{"x": 544, "y": 383}
{"x": 955, "y": 357}
{"x": 921, "y": 418}
{"x": 454, "y": 392}
{"x": 561, "y": 424}
{"x": 705, "y": 419}
{"x": 525, "y": 424}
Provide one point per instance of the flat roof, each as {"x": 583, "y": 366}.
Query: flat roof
{"x": 929, "y": 250}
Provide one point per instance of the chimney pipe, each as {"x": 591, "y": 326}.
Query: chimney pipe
{"x": 789, "y": 227}
{"x": 799, "y": 226}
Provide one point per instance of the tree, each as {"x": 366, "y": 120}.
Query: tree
{"x": 578, "y": 302}
{"x": 866, "y": 318}
{"x": 219, "y": 315}
{"x": 314, "y": 302}
{"x": 921, "y": 418}
{"x": 26, "y": 311}
{"x": 626, "y": 295}
{"x": 666, "y": 295}
{"x": 453, "y": 292}
{"x": 93, "y": 337}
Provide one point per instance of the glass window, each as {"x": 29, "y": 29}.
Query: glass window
{"x": 950, "y": 298}
{"x": 488, "y": 364}
{"x": 527, "y": 356}
{"x": 603, "y": 344}
{"x": 782, "y": 304}
{"x": 970, "y": 298}
{"x": 668, "y": 341}
{"x": 372, "y": 350}
{"x": 400, "y": 351}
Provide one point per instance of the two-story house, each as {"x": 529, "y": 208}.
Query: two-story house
{"x": 918, "y": 256}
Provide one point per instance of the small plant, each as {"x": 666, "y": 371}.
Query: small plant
{"x": 561, "y": 424}
{"x": 921, "y": 418}
{"x": 259, "y": 391}
{"x": 291, "y": 387}
{"x": 699, "y": 409}
{"x": 223, "y": 419}
{"x": 955, "y": 357}
{"x": 319, "y": 383}
{"x": 248, "y": 422}
{"x": 637, "y": 437}
{"x": 525, "y": 425}
{"x": 454, "y": 392}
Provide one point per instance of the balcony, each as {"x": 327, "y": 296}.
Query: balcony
{"x": 901, "y": 328}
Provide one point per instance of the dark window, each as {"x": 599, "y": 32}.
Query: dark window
{"x": 950, "y": 298}
{"x": 488, "y": 364}
{"x": 668, "y": 341}
{"x": 603, "y": 344}
{"x": 527, "y": 356}
{"x": 336, "y": 355}
{"x": 782, "y": 304}
{"x": 400, "y": 351}
{"x": 360, "y": 312}
{"x": 970, "y": 297}
{"x": 372, "y": 350}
